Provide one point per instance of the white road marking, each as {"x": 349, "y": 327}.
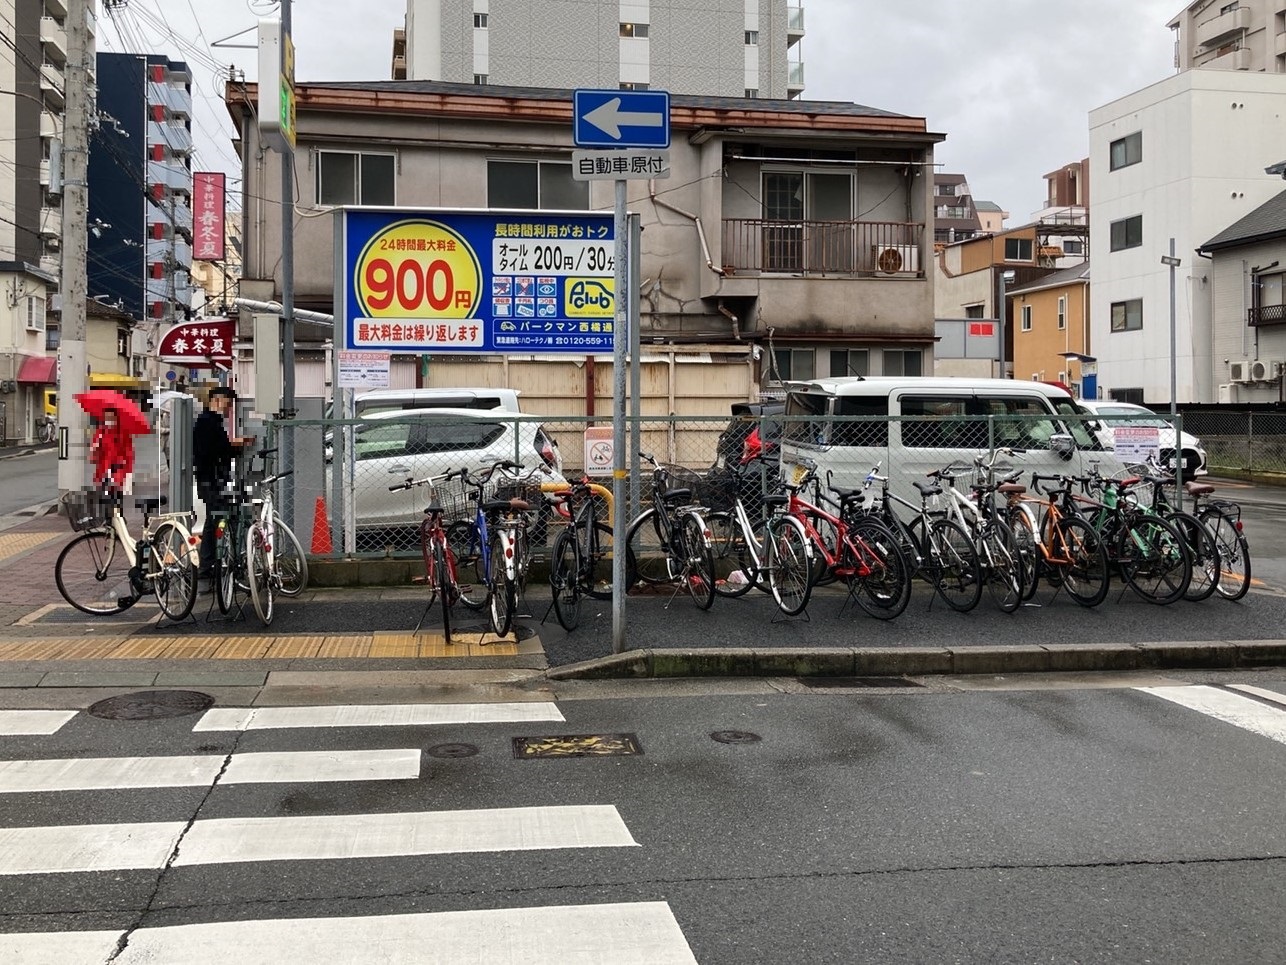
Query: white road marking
{"x": 14, "y": 723}
{"x": 1272, "y": 695}
{"x": 118, "y": 773}
{"x": 376, "y": 715}
{"x": 634, "y": 933}
{"x": 101, "y": 847}
{"x": 1233, "y": 709}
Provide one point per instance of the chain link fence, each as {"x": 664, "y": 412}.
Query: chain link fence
{"x": 1240, "y": 442}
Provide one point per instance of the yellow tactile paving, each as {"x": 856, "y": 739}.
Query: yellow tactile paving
{"x": 354, "y": 646}
{"x": 242, "y": 648}
{"x": 142, "y": 647}
{"x": 11, "y": 544}
{"x": 287, "y": 647}
{"x": 193, "y": 648}
{"x": 394, "y": 645}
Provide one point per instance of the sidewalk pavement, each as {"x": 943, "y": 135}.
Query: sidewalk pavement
{"x": 52, "y": 655}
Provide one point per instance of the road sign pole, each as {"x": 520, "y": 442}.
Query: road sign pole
{"x": 620, "y": 476}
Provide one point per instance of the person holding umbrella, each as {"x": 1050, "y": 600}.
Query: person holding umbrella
{"x": 112, "y": 446}
{"x": 213, "y": 447}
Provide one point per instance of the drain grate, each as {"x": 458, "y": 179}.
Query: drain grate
{"x": 152, "y": 705}
{"x": 823, "y": 682}
{"x": 735, "y": 737}
{"x": 450, "y": 751}
{"x": 577, "y": 745}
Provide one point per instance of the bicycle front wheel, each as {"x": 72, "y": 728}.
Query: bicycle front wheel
{"x": 465, "y": 541}
{"x": 885, "y": 590}
{"x": 596, "y": 563}
{"x": 173, "y": 574}
{"x": 1234, "y": 555}
{"x": 734, "y": 570}
{"x": 1006, "y": 579}
{"x": 564, "y": 580}
{"x": 1204, "y": 553}
{"x": 225, "y": 570}
{"x": 445, "y": 584}
{"x": 292, "y": 565}
{"x": 1079, "y": 560}
{"x": 647, "y": 546}
{"x": 500, "y": 589}
{"x": 789, "y": 563}
{"x": 953, "y": 562}
{"x": 1154, "y": 560}
{"x": 257, "y": 573}
{"x": 1022, "y": 524}
{"x": 697, "y": 560}
{"x": 92, "y": 574}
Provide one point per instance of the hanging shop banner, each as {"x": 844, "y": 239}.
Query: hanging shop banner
{"x": 200, "y": 342}
{"x": 475, "y": 281}
{"x": 208, "y": 215}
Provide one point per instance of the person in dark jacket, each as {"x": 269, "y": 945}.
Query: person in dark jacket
{"x": 213, "y": 448}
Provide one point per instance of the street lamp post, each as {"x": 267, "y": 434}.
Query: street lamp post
{"x": 1174, "y": 263}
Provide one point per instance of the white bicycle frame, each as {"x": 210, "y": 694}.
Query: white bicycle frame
{"x": 508, "y": 528}
{"x": 127, "y": 542}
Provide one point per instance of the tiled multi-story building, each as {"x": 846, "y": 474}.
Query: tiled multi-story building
{"x": 1231, "y": 35}
{"x": 720, "y": 48}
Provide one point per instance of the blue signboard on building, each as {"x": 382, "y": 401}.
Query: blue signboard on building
{"x": 621, "y": 118}
{"x": 475, "y": 281}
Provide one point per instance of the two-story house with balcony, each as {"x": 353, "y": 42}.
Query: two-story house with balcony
{"x": 792, "y": 232}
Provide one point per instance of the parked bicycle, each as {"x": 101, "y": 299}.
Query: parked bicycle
{"x": 47, "y": 429}
{"x": 1065, "y": 549}
{"x": 669, "y": 543}
{"x": 439, "y": 559}
{"x": 1156, "y": 485}
{"x": 106, "y": 570}
{"x": 581, "y": 562}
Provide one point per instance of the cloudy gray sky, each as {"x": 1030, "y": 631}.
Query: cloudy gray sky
{"x": 1010, "y": 82}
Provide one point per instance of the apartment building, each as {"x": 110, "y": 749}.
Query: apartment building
{"x": 955, "y": 215}
{"x": 1231, "y": 35}
{"x": 140, "y": 189}
{"x": 1183, "y": 158}
{"x": 720, "y": 48}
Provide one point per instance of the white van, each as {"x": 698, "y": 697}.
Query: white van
{"x": 972, "y": 416}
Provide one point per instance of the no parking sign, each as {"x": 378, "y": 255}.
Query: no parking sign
{"x": 598, "y": 451}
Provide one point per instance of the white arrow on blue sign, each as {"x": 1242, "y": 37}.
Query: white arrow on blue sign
{"x": 621, "y": 118}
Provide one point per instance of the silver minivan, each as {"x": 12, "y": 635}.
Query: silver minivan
{"x": 913, "y": 425}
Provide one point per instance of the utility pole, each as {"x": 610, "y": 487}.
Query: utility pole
{"x": 73, "y": 374}
{"x": 286, "y": 458}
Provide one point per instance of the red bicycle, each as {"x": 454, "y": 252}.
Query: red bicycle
{"x": 440, "y": 574}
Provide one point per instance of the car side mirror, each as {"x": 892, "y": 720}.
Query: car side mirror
{"x": 1063, "y": 444}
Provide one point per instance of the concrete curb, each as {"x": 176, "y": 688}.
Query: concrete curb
{"x": 924, "y": 661}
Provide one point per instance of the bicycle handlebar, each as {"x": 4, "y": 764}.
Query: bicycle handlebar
{"x": 426, "y": 481}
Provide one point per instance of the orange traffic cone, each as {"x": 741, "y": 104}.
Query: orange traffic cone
{"x": 321, "y": 529}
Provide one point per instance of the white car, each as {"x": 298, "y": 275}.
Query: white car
{"x": 1194, "y": 454}
{"x": 391, "y": 447}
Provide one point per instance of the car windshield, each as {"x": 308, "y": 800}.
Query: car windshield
{"x": 1137, "y": 416}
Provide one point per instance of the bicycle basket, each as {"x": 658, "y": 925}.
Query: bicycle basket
{"x": 455, "y": 500}
{"x": 718, "y": 492}
{"x": 510, "y": 488}
{"x": 86, "y": 510}
{"x": 676, "y": 477}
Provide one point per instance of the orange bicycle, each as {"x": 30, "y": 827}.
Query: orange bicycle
{"x": 1056, "y": 543}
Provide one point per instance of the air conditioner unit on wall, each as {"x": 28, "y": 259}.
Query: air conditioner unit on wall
{"x": 1259, "y": 371}
{"x": 1239, "y": 371}
{"x": 893, "y": 259}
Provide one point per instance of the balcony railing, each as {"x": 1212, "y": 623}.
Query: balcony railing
{"x": 54, "y": 38}
{"x": 765, "y": 246}
{"x": 795, "y": 77}
{"x": 1266, "y": 315}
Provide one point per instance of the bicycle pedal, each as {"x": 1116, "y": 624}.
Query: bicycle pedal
{"x": 420, "y": 580}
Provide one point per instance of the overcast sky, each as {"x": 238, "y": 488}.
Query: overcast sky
{"x": 1010, "y": 82}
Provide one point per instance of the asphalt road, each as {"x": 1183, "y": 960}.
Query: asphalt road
{"x": 27, "y": 478}
{"x": 1036, "y": 821}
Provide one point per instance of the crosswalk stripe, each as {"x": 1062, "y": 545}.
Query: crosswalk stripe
{"x": 279, "y": 767}
{"x": 376, "y": 715}
{"x": 15, "y": 723}
{"x": 626, "y": 933}
{"x": 104, "y": 847}
{"x": 1231, "y": 708}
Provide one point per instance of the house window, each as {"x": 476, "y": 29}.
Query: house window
{"x": 808, "y": 214}
{"x": 344, "y": 178}
{"x": 1026, "y": 314}
{"x": 851, "y": 362}
{"x": 480, "y": 20}
{"x": 974, "y": 311}
{"x": 1229, "y": 7}
{"x": 900, "y": 362}
{"x": 793, "y": 364}
{"x": 535, "y": 184}
{"x": 1062, "y": 314}
{"x": 1126, "y": 151}
{"x": 1127, "y": 316}
{"x": 628, "y": 85}
{"x": 637, "y": 30}
{"x": 1017, "y": 249}
{"x": 35, "y": 314}
{"x": 752, "y": 38}
{"x": 1073, "y": 246}
{"x": 1127, "y": 233}
{"x": 122, "y": 342}
{"x": 752, "y": 92}
{"x": 945, "y": 190}
{"x": 481, "y": 78}
{"x": 1134, "y": 395}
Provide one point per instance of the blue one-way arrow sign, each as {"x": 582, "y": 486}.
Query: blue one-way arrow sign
{"x": 621, "y": 118}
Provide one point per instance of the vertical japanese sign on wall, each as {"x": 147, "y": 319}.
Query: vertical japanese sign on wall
{"x": 209, "y": 210}
{"x": 475, "y": 281}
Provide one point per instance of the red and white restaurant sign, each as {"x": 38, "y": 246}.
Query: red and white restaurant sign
{"x": 202, "y": 341}
{"x": 208, "y": 213}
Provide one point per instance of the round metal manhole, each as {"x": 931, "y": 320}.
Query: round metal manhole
{"x": 152, "y": 705}
{"x": 735, "y": 737}
{"x": 449, "y": 751}
{"x": 515, "y": 632}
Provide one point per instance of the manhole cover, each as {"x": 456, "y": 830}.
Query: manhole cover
{"x": 735, "y": 737}
{"x": 858, "y": 682}
{"x": 152, "y": 705}
{"x": 577, "y": 745}
{"x": 452, "y": 750}
{"x": 515, "y": 632}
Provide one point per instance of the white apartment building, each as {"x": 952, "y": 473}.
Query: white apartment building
{"x": 718, "y": 48}
{"x": 1183, "y": 158}
{"x": 1231, "y": 35}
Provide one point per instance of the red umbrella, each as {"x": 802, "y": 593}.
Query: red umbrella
{"x": 128, "y": 415}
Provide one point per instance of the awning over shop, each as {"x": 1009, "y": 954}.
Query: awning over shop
{"x": 41, "y": 370}
{"x": 115, "y": 380}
